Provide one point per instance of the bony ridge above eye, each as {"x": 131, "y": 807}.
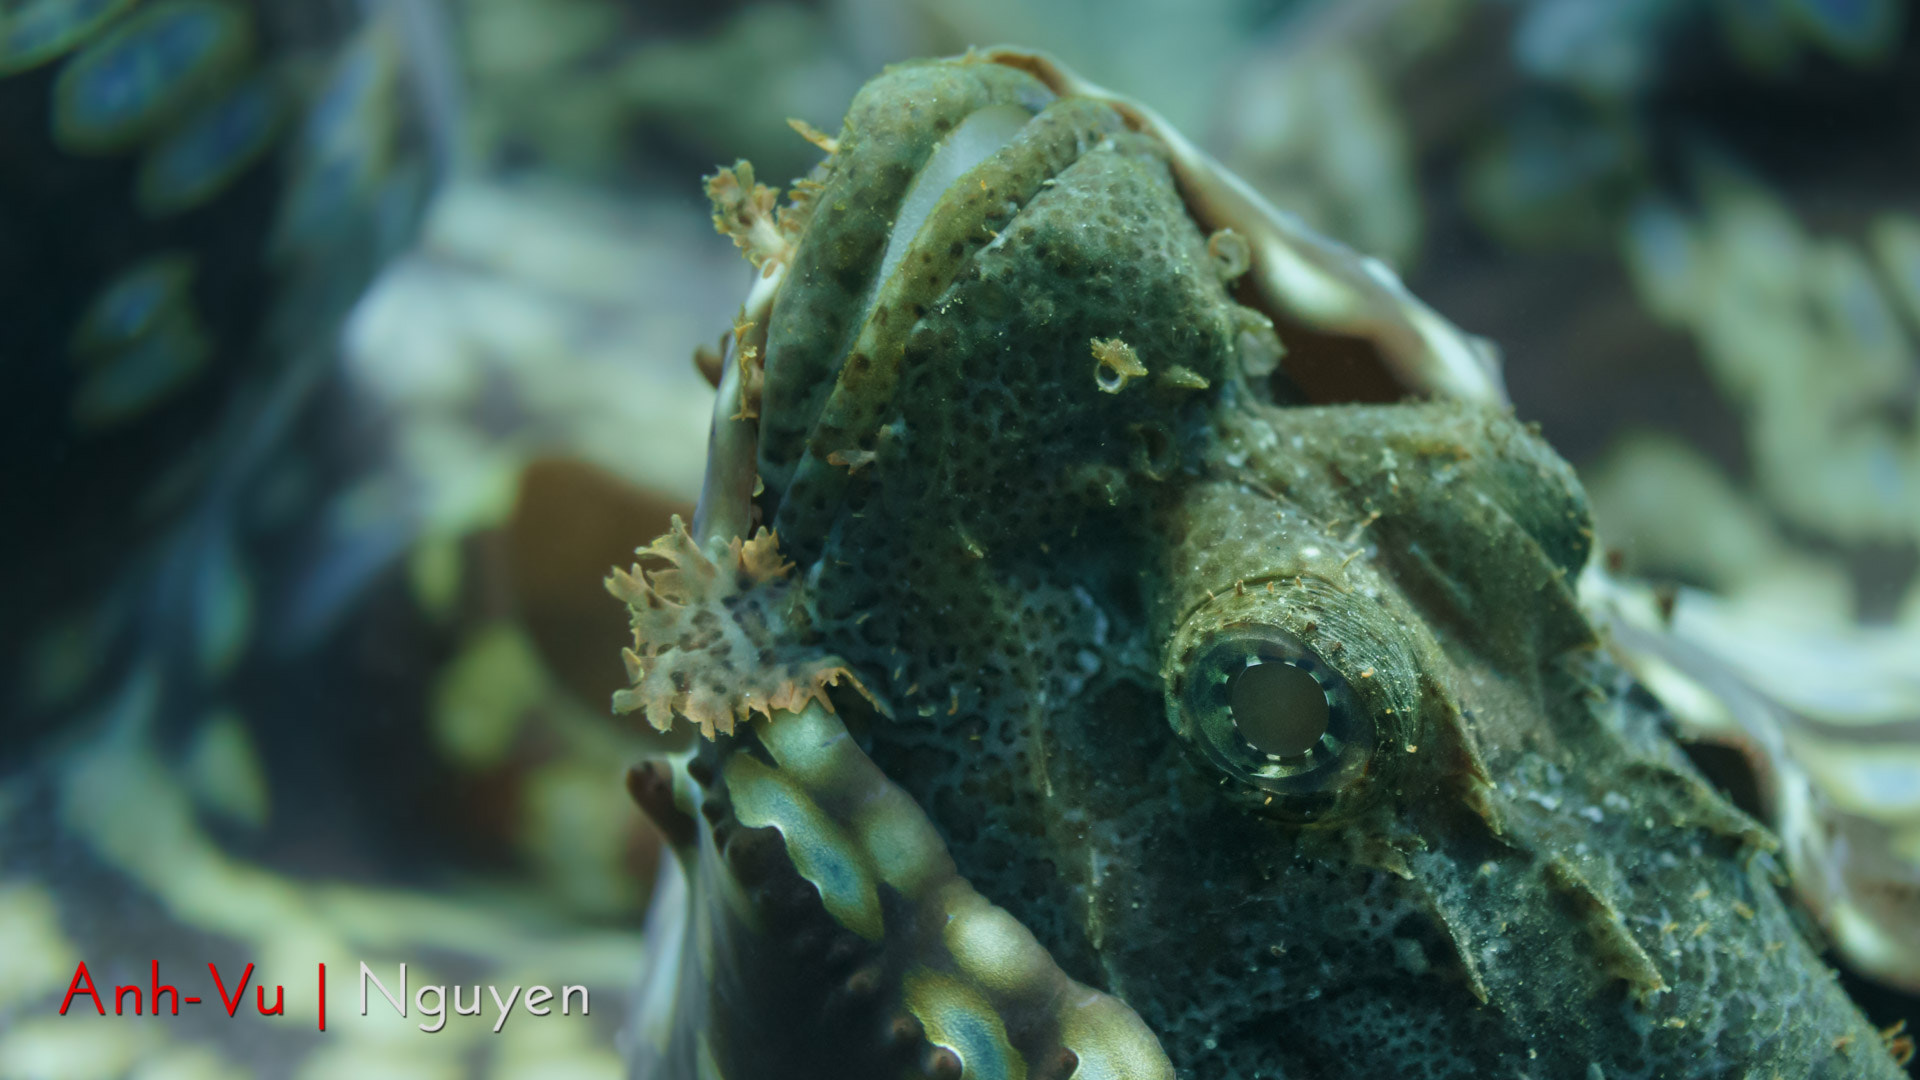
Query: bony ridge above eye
{"x": 1290, "y": 692}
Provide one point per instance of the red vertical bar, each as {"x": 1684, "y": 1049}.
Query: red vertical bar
{"x": 323, "y": 997}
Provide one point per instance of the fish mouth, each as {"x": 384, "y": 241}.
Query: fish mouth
{"x": 891, "y": 179}
{"x": 880, "y": 245}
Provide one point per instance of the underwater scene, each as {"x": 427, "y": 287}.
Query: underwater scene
{"x": 960, "y": 539}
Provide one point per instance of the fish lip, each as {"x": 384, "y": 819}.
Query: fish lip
{"x": 725, "y": 509}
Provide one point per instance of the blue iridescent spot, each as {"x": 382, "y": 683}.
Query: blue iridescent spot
{"x": 1854, "y": 27}
{"x": 43, "y": 30}
{"x": 210, "y": 149}
{"x": 126, "y": 86}
{"x": 134, "y": 304}
{"x": 354, "y": 85}
{"x": 141, "y": 376}
{"x": 343, "y": 146}
{"x": 1844, "y": 15}
{"x": 322, "y": 199}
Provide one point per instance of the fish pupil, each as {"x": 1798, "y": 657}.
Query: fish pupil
{"x": 1279, "y": 708}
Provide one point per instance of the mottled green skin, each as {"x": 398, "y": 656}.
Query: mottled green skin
{"x": 1595, "y": 838}
{"x": 1527, "y": 879}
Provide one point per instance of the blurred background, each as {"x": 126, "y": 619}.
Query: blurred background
{"x": 343, "y": 345}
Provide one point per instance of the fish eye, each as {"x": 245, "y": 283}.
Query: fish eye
{"x": 1278, "y": 707}
{"x": 1269, "y": 712}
